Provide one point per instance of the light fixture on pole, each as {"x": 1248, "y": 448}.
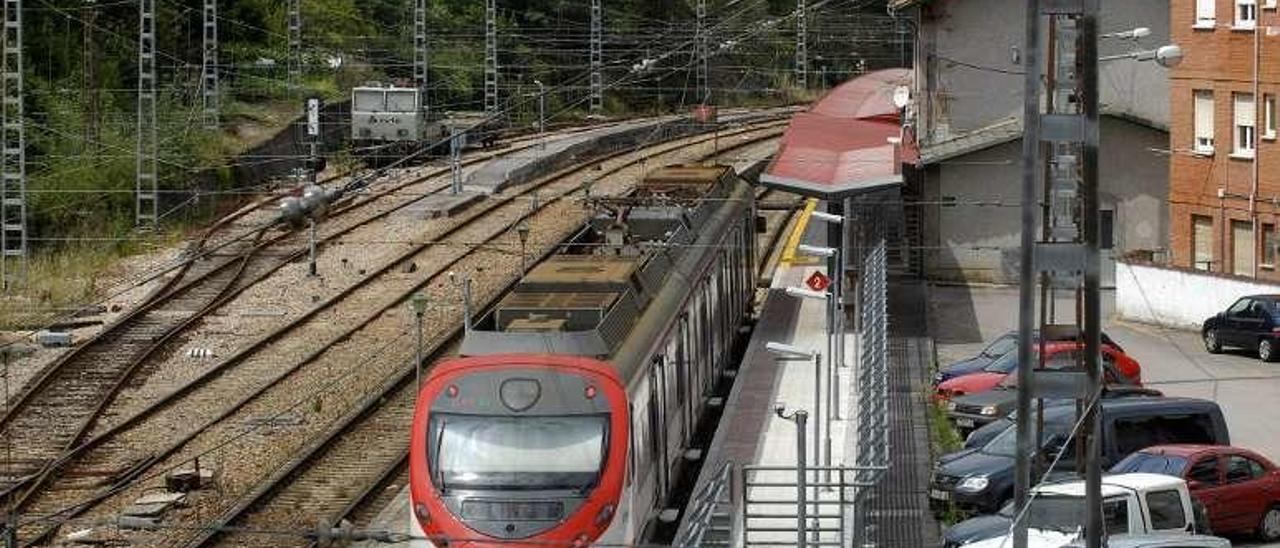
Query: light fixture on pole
{"x": 833, "y": 389}
{"x": 801, "y": 418}
{"x": 522, "y": 230}
{"x": 1131, "y": 34}
{"x": 1166, "y": 56}
{"x": 419, "y": 305}
{"x": 465, "y": 284}
{"x": 789, "y": 352}
{"x": 817, "y": 251}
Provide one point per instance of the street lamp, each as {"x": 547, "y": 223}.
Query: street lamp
{"x": 522, "y": 230}
{"x": 817, "y": 251}
{"x": 801, "y": 418}
{"x": 793, "y": 353}
{"x": 419, "y": 305}
{"x": 465, "y": 284}
{"x": 1132, "y": 34}
{"x": 1166, "y": 56}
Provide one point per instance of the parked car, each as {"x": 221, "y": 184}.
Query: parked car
{"x": 1003, "y": 345}
{"x": 1251, "y": 322}
{"x": 1132, "y": 504}
{"x": 1240, "y": 489}
{"x": 981, "y": 480}
{"x": 1059, "y": 355}
{"x": 983, "y": 434}
{"x": 972, "y": 411}
{"x": 1160, "y": 540}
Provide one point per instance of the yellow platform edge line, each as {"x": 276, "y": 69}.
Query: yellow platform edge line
{"x": 797, "y": 233}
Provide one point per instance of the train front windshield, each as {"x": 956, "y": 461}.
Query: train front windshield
{"x": 517, "y": 453}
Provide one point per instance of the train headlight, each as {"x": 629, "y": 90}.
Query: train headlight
{"x": 519, "y": 394}
{"x": 604, "y": 515}
{"x": 420, "y": 510}
{"x": 581, "y": 541}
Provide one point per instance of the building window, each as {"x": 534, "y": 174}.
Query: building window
{"x": 1246, "y": 13}
{"x": 1269, "y": 116}
{"x": 1201, "y": 242}
{"x": 1205, "y": 13}
{"x": 1245, "y": 134}
{"x": 1268, "y": 245}
{"x": 1203, "y": 121}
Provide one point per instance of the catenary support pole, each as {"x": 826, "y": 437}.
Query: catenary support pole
{"x": 1026, "y": 267}
{"x": 209, "y": 65}
{"x": 421, "y": 59}
{"x": 490, "y": 57}
{"x": 13, "y": 174}
{"x": 597, "y": 57}
{"x": 802, "y": 45}
{"x": 146, "y": 178}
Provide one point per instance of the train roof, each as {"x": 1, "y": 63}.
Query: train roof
{"x": 585, "y": 300}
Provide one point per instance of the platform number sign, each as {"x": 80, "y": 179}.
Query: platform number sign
{"x": 818, "y": 281}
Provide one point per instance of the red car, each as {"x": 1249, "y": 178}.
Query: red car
{"x": 1240, "y": 489}
{"x": 1060, "y": 355}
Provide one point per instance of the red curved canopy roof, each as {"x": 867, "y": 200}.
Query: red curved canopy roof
{"x": 844, "y": 143}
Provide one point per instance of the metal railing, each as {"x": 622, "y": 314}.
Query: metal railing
{"x": 871, "y": 457}
{"x": 774, "y": 512}
{"x": 712, "y": 520}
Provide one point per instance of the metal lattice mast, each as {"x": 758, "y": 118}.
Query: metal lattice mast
{"x": 704, "y": 93}
{"x": 491, "y": 56}
{"x": 146, "y": 192}
{"x": 1060, "y": 163}
{"x": 802, "y": 45}
{"x": 597, "y": 57}
{"x": 295, "y": 44}
{"x": 13, "y": 194}
{"x": 209, "y": 65}
{"x": 420, "y": 59}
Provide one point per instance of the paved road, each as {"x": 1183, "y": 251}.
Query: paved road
{"x": 1173, "y": 361}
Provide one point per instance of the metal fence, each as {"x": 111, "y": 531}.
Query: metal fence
{"x": 871, "y": 456}
{"x": 775, "y": 505}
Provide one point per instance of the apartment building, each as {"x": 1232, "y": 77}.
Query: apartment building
{"x": 1224, "y": 169}
{"x": 967, "y": 116}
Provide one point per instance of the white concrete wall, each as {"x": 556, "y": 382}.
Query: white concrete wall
{"x": 1178, "y": 297}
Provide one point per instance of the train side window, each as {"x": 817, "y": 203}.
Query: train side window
{"x": 673, "y": 357}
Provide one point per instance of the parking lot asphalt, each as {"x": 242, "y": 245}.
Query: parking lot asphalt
{"x": 963, "y": 319}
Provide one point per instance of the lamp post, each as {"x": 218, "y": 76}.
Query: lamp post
{"x": 788, "y": 352}
{"x": 419, "y": 305}
{"x": 801, "y": 418}
{"x": 522, "y": 230}
{"x": 465, "y": 284}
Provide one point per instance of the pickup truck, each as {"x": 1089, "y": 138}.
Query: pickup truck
{"x": 1132, "y": 504}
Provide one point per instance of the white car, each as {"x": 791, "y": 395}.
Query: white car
{"x": 1132, "y": 505}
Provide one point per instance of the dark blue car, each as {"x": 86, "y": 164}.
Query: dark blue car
{"x": 1004, "y": 344}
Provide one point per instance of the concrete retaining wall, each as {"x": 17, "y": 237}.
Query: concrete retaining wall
{"x": 1178, "y": 297}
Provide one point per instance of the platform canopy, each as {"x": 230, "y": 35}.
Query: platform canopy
{"x": 848, "y": 142}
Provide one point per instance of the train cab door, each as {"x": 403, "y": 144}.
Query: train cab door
{"x": 658, "y": 429}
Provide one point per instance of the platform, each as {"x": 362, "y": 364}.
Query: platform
{"x": 443, "y": 204}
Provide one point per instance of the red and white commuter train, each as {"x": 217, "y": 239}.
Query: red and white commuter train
{"x": 565, "y": 420}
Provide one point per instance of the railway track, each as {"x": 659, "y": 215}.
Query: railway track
{"x": 140, "y": 460}
{"x": 50, "y": 419}
{"x": 346, "y": 470}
